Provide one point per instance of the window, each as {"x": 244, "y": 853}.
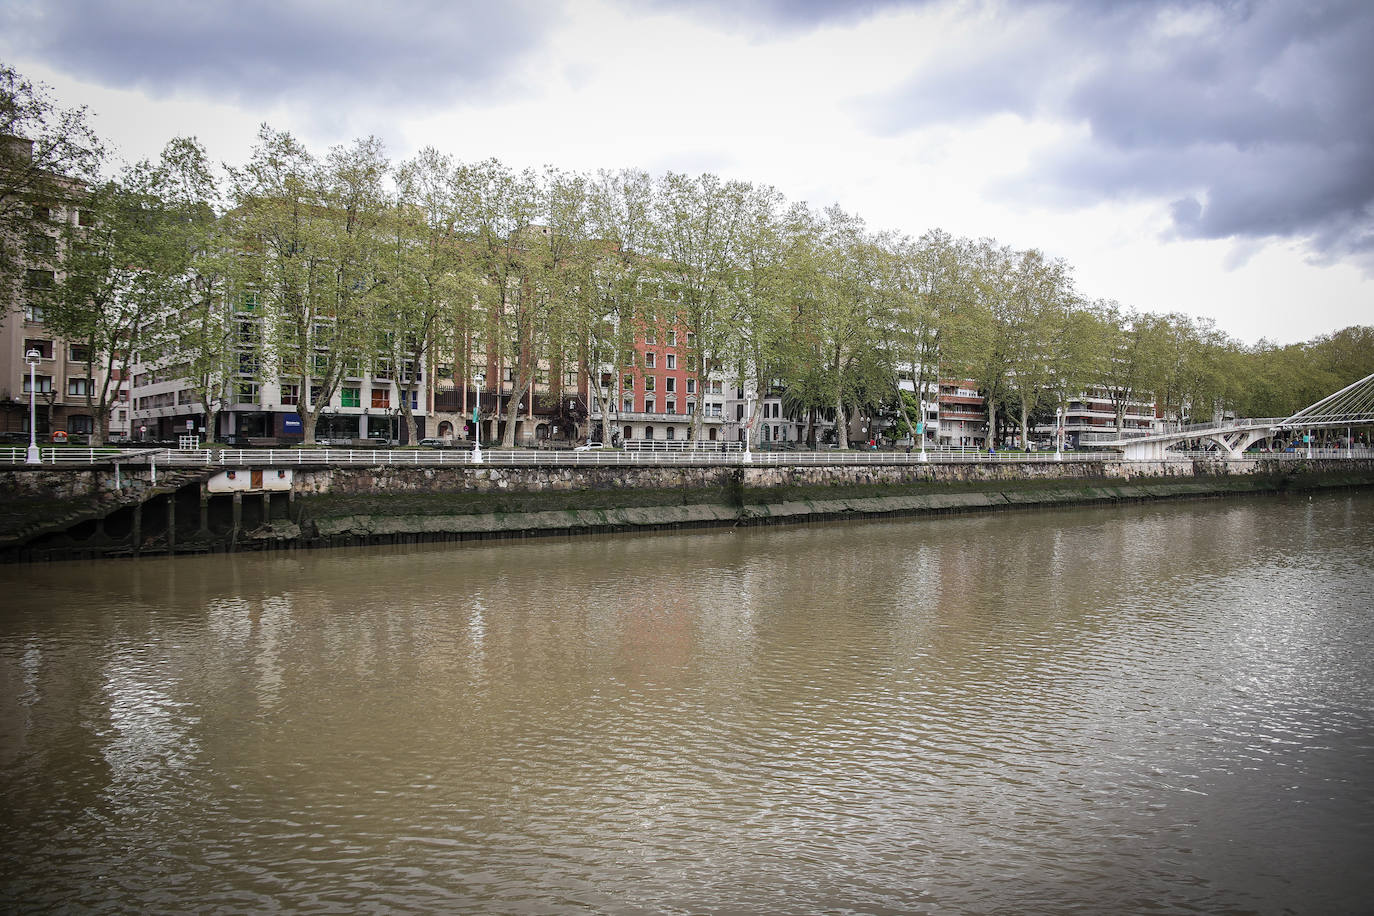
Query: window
{"x": 570, "y": 379}
{"x": 246, "y": 330}
{"x": 670, "y": 406}
{"x": 691, "y": 340}
{"x": 629, "y": 383}
{"x": 43, "y": 247}
{"x": 44, "y": 347}
{"x": 672, "y": 432}
{"x": 41, "y": 214}
{"x": 350, "y": 397}
{"x": 628, "y": 406}
{"x": 248, "y": 363}
{"x": 85, "y": 218}
{"x": 382, "y": 369}
{"x": 650, "y": 337}
{"x": 34, "y": 313}
{"x": 649, "y": 361}
{"x": 246, "y": 393}
{"x": 691, "y": 386}
{"x": 290, "y": 394}
{"x": 381, "y": 397}
{"x": 80, "y": 424}
{"x": 249, "y": 301}
{"x": 186, "y": 396}
{"x": 739, "y": 411}
{"x": 78, "y": 353}
{"x": 670, "y": 384}
{"x": 649, "y": 382}
{"x": 627, "y": 432}
{"x": 691, "y": 408}
{"x": 649, "y": 406}
{"x": 672, "y": 338}
{"x": 79, "y": 387}
{"x": 42, "y": 384}
{"x": 648, "y": 432}
{"x": 39, "y": 279}
{"x": 672, "y": 361}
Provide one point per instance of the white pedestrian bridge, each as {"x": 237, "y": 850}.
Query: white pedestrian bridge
{"x": 1351, "y": 406}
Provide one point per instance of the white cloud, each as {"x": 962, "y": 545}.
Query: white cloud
{"x": 608, "y": 85}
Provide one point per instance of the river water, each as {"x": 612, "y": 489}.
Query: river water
{"x": 1152, "y": 709}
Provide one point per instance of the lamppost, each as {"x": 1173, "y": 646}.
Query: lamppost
{"x": 1059, "y": 433}
{"x": 748, "y": 426}
{"x": 32, "y": 357}
{"x": 477, "y": 421}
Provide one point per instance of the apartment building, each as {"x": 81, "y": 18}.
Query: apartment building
{"x": 63, "y": 387}
{"x": 662, "y": 390}
{"x": 962, "y": 414}
{"x": 1090, "y": 417}
{"x": 256, "y": 404}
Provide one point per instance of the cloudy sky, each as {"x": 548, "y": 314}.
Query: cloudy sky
{"x": 1214, "y": 158}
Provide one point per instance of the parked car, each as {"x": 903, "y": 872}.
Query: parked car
{"x": 591, "y": 447}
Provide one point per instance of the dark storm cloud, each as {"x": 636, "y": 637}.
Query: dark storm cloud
{"x": 1252, "y": 118}
{"x": 398, "y": 55}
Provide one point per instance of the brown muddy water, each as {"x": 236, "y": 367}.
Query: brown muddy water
{"x": 1159, "y": 708}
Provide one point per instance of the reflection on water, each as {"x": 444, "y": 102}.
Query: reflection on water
{"x": 1160, "y": 708}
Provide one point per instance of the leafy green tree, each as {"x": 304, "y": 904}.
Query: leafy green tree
{"x": 49, "y": 156}
{"x": 700, "y": 225}
{"x": 621, "y": 230}
{"x": 428, "y": 279}
{"x": 125, "y": 268}
{"x": 307, "y": 235}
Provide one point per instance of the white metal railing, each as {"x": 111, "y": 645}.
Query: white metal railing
{"x": 66, "y": 455}
{"x": 607, "y": 457}
{"x": 682, "y": 445}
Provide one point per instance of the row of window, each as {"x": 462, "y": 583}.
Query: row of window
{"x": 669, "y": 384}
{"x": 670, "y": 407}
{"x": 76, "y": 387}
{"x": 669, "y": 338}
{"x": 349, "y": 396}
{"x": 77, "y": 353}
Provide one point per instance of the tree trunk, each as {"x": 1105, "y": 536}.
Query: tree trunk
{"x": 412, "y": 431}
{"x": 992, "y": 423}
{"x": 513, "y": 411}
{"x": 1025, "y": 429}
{"x": 841, "y": 424}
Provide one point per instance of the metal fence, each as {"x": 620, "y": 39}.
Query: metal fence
{"x": 69, "y": 457}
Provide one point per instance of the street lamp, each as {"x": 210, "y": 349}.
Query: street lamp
{"x": 748, "y": 424}
{"x": 1059, "y": 433}
{"x": 32, "y": 357}
{"x": 477, "y": 421}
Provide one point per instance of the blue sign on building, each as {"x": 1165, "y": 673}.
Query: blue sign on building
{"x": 291, "y": 425}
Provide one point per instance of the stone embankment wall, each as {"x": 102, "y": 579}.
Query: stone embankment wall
{"x": 390, "y": 504}
{"x": 362, "y": 505}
